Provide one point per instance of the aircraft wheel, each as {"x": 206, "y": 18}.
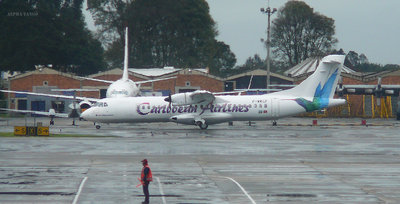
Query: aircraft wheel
{"x": 202, "y": 126}
{"x": 51, "y": 122}
{"x": 274, "y": 123}
{"x": 98, "y": 126}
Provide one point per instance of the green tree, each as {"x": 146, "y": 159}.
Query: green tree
{"x": 255, "y": 62}
{"x": 47, "y": 32}
{"x": 363, "y": 59}
{"x": 352, "y": 59}
{"x": 298, "y": 33}
{"x": 177, "y": 33}
{"x": 221, "y": 59}
{"x": 360, "y": 63}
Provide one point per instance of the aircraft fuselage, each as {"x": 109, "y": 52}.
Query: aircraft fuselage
{"x": 222, "y": 109}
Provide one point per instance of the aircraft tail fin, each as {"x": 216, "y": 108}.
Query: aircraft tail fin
{"x": 125, "y": 71}
{"x": 322, "y": 83}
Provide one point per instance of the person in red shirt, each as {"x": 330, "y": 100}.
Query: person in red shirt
{"x": 145, "y": 178}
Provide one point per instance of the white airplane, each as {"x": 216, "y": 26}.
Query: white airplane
{"x": 123, "y": 87}
{"x": 203, "y": 108}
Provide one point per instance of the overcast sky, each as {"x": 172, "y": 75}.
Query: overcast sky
{"x": 371, "y": 27}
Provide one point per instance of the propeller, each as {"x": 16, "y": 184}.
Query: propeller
{"x": 74, "y": 110}
{"x": 169, "y": 100}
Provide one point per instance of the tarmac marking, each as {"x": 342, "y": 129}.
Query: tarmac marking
{"x": 79, "y": 190}
{"x": 244, "y": 191}
{"x": 161, "y": 191}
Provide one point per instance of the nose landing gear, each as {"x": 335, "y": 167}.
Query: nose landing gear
{"x": 98, "y": 126}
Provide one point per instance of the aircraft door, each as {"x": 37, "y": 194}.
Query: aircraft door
{"x": 275, "y": 108}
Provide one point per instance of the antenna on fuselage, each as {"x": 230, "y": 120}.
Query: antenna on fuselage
{"x": 125, "y": 71}
{"x": 248, "y": 88}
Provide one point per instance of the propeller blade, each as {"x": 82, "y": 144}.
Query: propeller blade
{"x": 169, "y": 100}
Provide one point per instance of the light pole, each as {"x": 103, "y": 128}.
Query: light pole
{"x": 269, "y": 12}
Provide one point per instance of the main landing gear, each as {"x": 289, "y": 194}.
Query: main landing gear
{"x": 202, "y": 125}
{"x": 274, "y": 123}
{"x": 98, "y": 126}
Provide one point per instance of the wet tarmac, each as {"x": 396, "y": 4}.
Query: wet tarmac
{"x": 338, "y": 161}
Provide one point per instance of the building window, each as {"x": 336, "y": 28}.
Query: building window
{"x": 187, "y": 83}
{"x": 45, "y": 83}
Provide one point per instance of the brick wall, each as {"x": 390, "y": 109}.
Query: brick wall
{"x": 204, "y": 82}
{"x": 26, "y": 83}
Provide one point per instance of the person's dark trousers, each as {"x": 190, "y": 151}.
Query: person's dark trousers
{"x": 146, "y": 192}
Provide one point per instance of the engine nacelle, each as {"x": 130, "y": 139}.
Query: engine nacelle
{"x": 187, "y": 119}
{"x": 189, "y": 98}
{"x": 181, "y": 99}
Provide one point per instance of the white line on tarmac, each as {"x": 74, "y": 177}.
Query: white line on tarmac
{"x": 161, "y": 191}
{"x": 80, "y": 190}
{"x": 244, "y": 191}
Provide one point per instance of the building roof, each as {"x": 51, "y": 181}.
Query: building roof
{"x": 310, "y": 65}
{"x": 45, "y": 71}
{"x": 116, "y": 71}
{"x": 259, "y": 72}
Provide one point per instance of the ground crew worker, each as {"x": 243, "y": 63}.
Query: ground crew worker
{"x": 145, "y": 178}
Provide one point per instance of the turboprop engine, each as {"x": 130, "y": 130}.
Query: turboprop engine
{"x": 189, "y": 98}
{"x": 85, "y": 105}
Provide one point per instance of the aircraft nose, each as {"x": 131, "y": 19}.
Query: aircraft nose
{"x": 87, "y": 114}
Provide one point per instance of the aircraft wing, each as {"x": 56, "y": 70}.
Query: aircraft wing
{"x": 60, "y": 115}
{"x": 99, "y": 80}
{"x": 202, "y": 97}
{"x": 52, "y": 95}
{"x": 147, "y": 81}
{"x": 137, "y": 82}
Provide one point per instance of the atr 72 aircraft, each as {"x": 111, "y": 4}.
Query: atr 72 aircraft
{"x": 203, "y": 108}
